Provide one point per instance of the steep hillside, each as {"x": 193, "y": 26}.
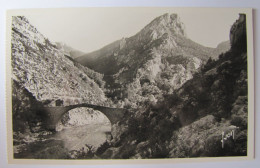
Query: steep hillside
{"x": 157, "y": 60}
{"x": 191, "y": 121}
{"x": 47, "y": 73}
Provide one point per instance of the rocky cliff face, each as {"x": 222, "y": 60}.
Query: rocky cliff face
{"x": 46, "y": 72}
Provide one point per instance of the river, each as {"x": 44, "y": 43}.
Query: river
{"x": 75, "y": 138}
{"x": 60, "y": 144}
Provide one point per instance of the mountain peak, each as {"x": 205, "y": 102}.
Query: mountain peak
{"x": 167, "y": 23}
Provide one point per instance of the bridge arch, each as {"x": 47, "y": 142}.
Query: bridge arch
{"x": 54, "y": 114}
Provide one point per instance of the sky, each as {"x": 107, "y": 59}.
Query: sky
{"x": 89, "y": 29}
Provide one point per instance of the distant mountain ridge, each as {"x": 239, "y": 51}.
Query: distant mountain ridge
{"x": 69, "y": 51}
{"x": 161, "y": 26}
{"x": 221, "y": 48}
{"x": 160, "y": 55}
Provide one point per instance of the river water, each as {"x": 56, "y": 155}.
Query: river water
{"x": 75, "y": 138}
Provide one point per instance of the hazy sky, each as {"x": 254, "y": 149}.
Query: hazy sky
{"x": 92, "y": 28}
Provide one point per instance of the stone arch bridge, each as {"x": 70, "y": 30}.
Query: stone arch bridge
{"x": 54, "y": 114}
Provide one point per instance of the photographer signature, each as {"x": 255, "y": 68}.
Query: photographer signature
{"x": 228, "y": 135}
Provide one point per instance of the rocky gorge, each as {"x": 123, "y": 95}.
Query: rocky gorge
{"x": 180, "y": 95}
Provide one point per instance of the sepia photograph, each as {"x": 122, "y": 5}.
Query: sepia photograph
{"x": 130, "y": 83}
